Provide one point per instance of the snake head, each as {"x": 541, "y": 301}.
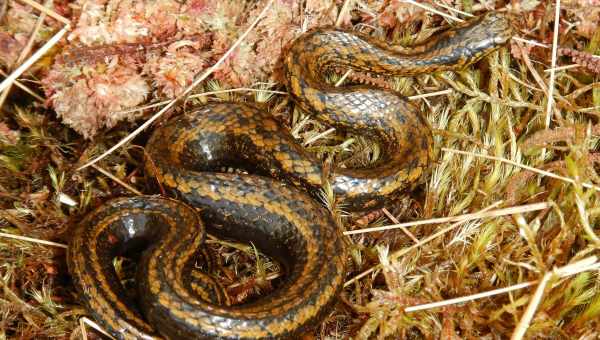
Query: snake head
{"x": 468, "y": 43}
{"x": 495, "y": 27}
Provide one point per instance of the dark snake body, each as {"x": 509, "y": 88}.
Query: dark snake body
{"x": 276, "y": 213}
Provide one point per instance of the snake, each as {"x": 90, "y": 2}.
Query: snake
{"x": 271, "y": 201}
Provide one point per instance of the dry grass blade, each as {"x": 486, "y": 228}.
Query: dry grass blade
{"x": 33, "y": 240}
{"x": 24, "y": 88}
{"x": 117, "y": 180}
{"x": 25, "y": 51}
{"x": 344, "y": 11}
{"x": 343, "y": 78}
{"x": 468, "y": 298}
{"x": 404, "y": 230}
{"x": 550, "y": 99}
{"x": 531, "y": 42}
{"x": 562, "y": 68}
{"x": 572, "y": 269}
{"x": 85, "y": 321}
{"x": 527, "y": 167}
{"x": 34, "y": 57}
{"x": 47, "y": 11}
{"x": 431, "y": 94}
{"x": 586, "y": 264}
{"x": 465, "y": 217}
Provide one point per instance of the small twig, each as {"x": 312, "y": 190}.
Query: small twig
{"x": 550, "y": 101}
{"x": 34, "y": 57}
{"x": 470, "y": 297}
{"x": 588, "y": 109}
{"x": 34, "y": 240}
{"x": 26, "y": 50}
{"x": 431, "y": 94}
{"x": 95, "y": 326}
{"x": 562, "y": 68}
{"x": 24, "y": 88}
{"x": 531, "y": 42}
{"x": 48, "y": 11}
{"x": 515, "y": 78}
{"x": 344, "y": 76}
{"x": 184, "y": 94}
{"x": 433, "y": 10}
{"x": 527, "y": 167}
{"x": 395, "y": 220}
{"x": 117, "y": 180}
{"x": 538, "y": 79}
{"x": 465, "y": 217}
{"x": 319, "y": 136}
{"x": 83, "y": 329}
{"x": 568, "y": 270}
{"x": 345, "y": 9}
{"x": 586, "y": 264}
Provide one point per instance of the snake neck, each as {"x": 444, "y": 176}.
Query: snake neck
{"x": 321, "y": 49}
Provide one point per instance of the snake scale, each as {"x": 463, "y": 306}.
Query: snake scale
{"x": 272, "y": 206}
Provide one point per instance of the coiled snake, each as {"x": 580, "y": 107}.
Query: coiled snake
{"x": 272, "y": 206}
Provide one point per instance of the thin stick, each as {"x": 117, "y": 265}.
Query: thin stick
{"x": 470, "y": 297}
{"x": 521, "y": 328}
{"x": 344, "y": 76}
{"x": 395, "y": 220}
{"x": 117, "y": 180}
{"x": 587, "y": 109}
{"x": 48, "y": 11}
{"x": 95, "y": 326}
{"x": 319, "y": 136}
{"x": 531, "y": 42}
{"x": 34, "y": 240}
{"x": 83, "y": 329}
{"x": 401, "y": 252}
{"x": 527, "y": 167}
{"x": 550, "y": 101}
{"x": 24, "y": 88}
{"x": 25, "y": 52}
{"x": 433, "y": 10}
{"x": 515, "y": 78}
{"x": 562, "y": 68}
{"x": 466, "y": 217}
{"x": 431, "y": 94}
{"x": 345, "y": 9}
{"x": 34, "y": 57}
{"x": 183, "y": 95}
{"x": 586, "y": 264}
